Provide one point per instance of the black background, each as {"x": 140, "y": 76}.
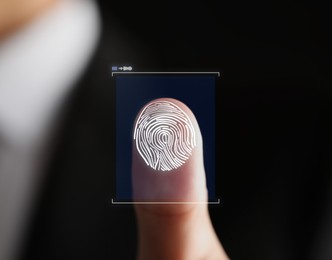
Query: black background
{"x": 274, "y": 144}
{"x": 274, "y": 152}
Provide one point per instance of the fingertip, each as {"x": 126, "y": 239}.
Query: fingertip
{"x": 167, "y": 157}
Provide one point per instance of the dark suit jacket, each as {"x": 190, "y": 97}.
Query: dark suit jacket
{"x": 273, "y": 134}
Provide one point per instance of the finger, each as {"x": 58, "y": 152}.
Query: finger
{"x": 168, "y": 175}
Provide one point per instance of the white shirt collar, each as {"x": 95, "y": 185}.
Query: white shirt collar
{"x": 40, "y": 63}
{"x": 38, "y": 66}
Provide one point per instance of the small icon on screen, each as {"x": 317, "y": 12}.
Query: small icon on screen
{"x": 114, "y": 68}
{"x": 125, "y": 68}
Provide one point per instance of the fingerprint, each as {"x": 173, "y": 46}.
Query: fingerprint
{"x": 164, "y": 135}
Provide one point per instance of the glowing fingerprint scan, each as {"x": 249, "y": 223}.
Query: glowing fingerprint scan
{"x": 164, "y": 135}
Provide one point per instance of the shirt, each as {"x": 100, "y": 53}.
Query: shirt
{"x": 39, "y": 64}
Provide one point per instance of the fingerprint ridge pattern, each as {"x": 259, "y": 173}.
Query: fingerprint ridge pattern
{"x": 164, "y": 135}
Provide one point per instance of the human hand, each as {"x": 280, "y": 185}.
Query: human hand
{"x": 181, "y": 230}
